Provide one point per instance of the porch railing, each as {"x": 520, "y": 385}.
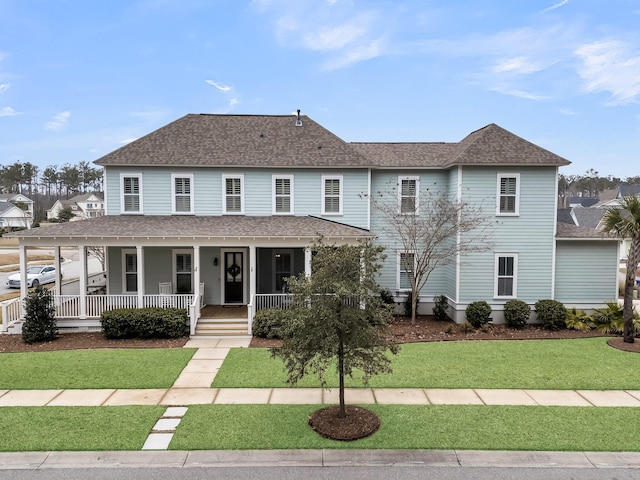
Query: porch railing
{"x": 68, "y": 306}
{"x": 11, "y": 311}
{"x": 271, "y": 300}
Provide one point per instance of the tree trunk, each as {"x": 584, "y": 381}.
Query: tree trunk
{"x": 414, "y": 307}
{"x": 343, "y": 412}
{"x": 630, "y": 279}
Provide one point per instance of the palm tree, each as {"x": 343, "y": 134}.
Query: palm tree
{"x": 624, "y": 221}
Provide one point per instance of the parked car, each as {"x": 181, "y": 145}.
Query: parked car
{"x": 36, "y": 275}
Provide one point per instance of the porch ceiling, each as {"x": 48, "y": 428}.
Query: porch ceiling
{"x": 109, "y": 229}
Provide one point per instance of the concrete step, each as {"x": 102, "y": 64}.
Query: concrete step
{"x": 221, "y": 328}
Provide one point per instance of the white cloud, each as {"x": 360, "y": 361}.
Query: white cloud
{"x": 58, "y": 122}
{"x": 610, "y": 66}
{"x": 518, "y": 65}
{"x": 222, "y": 88}
{"x": 561, "y": 3}
{"x": 334, "y": 37}
{"x": 127, "y": 140}
{"x": 521, "y": 94}
{"x": 8, "y": 112}
{"x": 355, "y": 55}
{"x": 567, "y": 111}
{"x": 4, "y": 87}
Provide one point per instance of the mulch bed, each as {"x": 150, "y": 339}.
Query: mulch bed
{"x": 358, "y": 423}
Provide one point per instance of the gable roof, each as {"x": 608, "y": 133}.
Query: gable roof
{"x": 565, "y": 231}
{"x": 491, "y": 145}
{"x": 14, "y": 197}
{"x": 589, "y": 217}
{"x": 83, "y": 197}
{"x": 202, "y": 140}
{"x": 626, "y": 190}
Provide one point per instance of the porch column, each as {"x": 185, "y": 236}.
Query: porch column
{"x": 58, "y": 264}
{"x": 24, "y": 289}
{"x": 196, "y": 272}
{"x": 82, "y": 253}
{"x": 252, "y": 273}
{"x": 307, "y": 262}
{"x": 140, "y": 274}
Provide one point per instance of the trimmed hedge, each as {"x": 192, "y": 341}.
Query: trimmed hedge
{"x": 516, "y": 313}
{"x": 267, "y": 323}
{"x": 478, "y": 313}
{"x": 552, "y": 314}
{"x": 144, "y": 323}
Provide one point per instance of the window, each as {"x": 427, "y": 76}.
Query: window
{"x": 131, "y": 199}
{"x": 233, "y": 188}
{"x": 408, "y": 195}
{"x": 332, "y": 195}
{"x": 406, "y": 267}
{"x": 506, "y": 273}
{"x": 282, "y": 194}
{"x": 183, "y": 271}
{"x": 129, "y": 271}
{"x": 508, "y": 194}
{"x": 182, "y": 193}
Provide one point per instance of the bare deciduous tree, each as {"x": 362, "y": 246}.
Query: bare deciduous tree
{"x": 433, "y": 229}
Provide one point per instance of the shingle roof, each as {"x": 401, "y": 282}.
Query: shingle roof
{"x": 589, "y": 217}
{"x": 149, "y": 226}
{"x": 566, "y": 231}
{"x": 491, "y": 145}
{"x": 625, "y": 190}
{"x": 238, "y": 141}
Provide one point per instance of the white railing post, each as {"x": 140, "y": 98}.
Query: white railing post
{"x": 5, "y": 318}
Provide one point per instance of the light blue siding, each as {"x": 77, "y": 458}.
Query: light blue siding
{"x": 529, "y": 235}
{"x": 586, "y": 272}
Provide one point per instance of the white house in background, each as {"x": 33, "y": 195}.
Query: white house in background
{"x": 18, "y": 199}
{"x": 12, "y": 216}
{"x": 87, "y": 205}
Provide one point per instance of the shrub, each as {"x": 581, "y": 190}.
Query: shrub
{"x": 440, "y": 306}
{"x": 387, "y": 297}
{"x": 407, "y": 304}
{"x": 516, "y": 313}
{"x": 478, "y": 313}
{"x": 144, "y": 323}
{"x": 267, "y": 323}
{"x": 578, "y": 320}
{"x": 552, "y": 314}
{"x": 39, "y": 320}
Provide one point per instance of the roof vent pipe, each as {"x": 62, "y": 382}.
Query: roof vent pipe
{"x": 298, "y": 121}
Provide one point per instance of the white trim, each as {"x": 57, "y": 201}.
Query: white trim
{"x": 123, "y": 254}
{"x": 224, "y": 194}
{"x": 458, "y": 238}
{"x": 514, "y": 293}
{"x": 369, "y": 199}
{"x": 324, "y": 194}
{"x": 399, "y": 268}
{"x": 415, "y": 178}
{"x": 175, "y": 176}
{"x": 140, "y": 210}
{"x": 274, "y": 196}
{"x": 174, "y": 275}
{"x": 516, "y": 211}
{"x": 554, "y": 246}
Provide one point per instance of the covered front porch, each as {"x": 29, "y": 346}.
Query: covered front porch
{"x": 220, "y": 279}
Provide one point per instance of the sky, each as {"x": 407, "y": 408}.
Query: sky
{"x": 81, "y": 78}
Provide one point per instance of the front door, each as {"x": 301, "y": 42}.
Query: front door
{"x": 233, "y": 277}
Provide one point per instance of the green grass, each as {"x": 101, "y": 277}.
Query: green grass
{"x": 467, "y": 427}
{"x": 28, "y": 429}
{"x": 588, "y": 364}
{"x": 100, "y": 368}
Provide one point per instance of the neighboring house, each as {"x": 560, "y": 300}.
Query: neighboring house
{"x": 87, "y": 205}
{"x": 12, "y": 215}
{"x": 220, "y": 209}
{"x": 582, "y": 201}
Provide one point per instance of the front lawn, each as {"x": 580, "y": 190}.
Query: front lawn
{"x": 467, "y": 427}
{"x": 588, "y": 364}
{"x": 103, "y": 368}
{"x": 28, "y": 429}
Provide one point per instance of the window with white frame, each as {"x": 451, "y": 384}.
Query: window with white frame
{"x": 233, "y": 191}
{"x": 129, "y": 271}
{"x": 508, "y": 194}
{"x": 506, "y": 274}
{"x": 182, "y": 194}
{"x": 406, "y": 267}
{"x": 131, "y": 188}
{"x": 332, "y": 195}
{"x": 408, "y": 188}
{"x": 282, "y": 194}
{"x": 183, "y": 271}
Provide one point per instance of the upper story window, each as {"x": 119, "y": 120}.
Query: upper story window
{"x": 233, "y": 194}
{"x": 332, "y": 195}
{"x": 282, "y": 194}
{"x": 506, "y": 270}
{"x": 182, "y": 194}
{"x": 508, "y": 194}
{"x": 408, "y": 188}
{"x": 131, "y": 197}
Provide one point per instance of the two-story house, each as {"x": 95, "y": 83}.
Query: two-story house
{"x": 218, "y": 210}
{"x": 83, "y": 206}
{"x": 16, "y": 211}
